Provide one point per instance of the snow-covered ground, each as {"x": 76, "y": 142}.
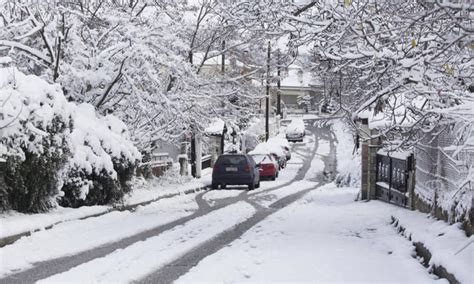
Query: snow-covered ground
{"x": 324, "y": 237}
{"x": 80, "y": 235}
{"x": 143, "y": 258}
{"x": 13, "y": 222}
{"x": 448, "y": 244}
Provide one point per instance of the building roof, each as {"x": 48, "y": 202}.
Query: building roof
{"x": 299, "y": 78}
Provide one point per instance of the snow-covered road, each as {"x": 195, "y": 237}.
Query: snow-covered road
{"x": 298, "y": 228}
{"x": 323, "y": 237}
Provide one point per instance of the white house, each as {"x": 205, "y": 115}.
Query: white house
{"x": 298, "y": 85}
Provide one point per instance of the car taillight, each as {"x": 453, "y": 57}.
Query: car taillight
{"x": 215, "y": 168}
{"x": 247, "y": 168}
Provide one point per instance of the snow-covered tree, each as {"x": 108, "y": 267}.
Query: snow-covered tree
{"x": 130, "y": 60}
{"x": 57, "y": 151}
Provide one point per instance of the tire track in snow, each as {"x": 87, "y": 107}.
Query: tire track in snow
{"x": 51, "y": 267}
{"x": 144, "y": 257}
{"x": 181, "y": 266}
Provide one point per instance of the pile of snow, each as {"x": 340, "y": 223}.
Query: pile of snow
{"x": 36, "y": 119}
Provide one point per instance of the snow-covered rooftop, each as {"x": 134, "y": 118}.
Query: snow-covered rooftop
{"x": 398, "y": 154}
{"x": 299, "y": 78}
{"x": 5, "y": 60}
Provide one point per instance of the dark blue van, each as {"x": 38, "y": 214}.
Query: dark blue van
{"x": 235, "y": 169}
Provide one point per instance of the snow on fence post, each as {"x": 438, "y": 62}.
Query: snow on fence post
{"x": 373, "y": 147}
{"x": 411, "y": 182}
{"x": 364, "y": 146}
{"x": 198, "y": 152}
{"x": 183, "y": 159}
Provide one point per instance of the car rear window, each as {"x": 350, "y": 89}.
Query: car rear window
{"x": 261, "y": 158}
{"x": 232, "y": 160}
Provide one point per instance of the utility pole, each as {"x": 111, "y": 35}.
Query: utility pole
{"x": 223, "y": 57}
{"x": 279, "y": 86}
{"x": 267, "y": 101}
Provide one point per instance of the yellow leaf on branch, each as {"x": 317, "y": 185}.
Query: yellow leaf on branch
{"x": 347, "y": 3}
{"x": 449, "y": 69}
{"x": 413, "y": 43}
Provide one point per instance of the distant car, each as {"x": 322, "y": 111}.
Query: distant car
{"x": 267, "y": 166}
{"x": 283, "y": 143}
{"x": 235, "y": 169}
{"x": 273, "y": 149}
{"x": 285, "y": 122}
{"x": 281, "y": 159}
{"x": 287, "y": 152}
{"x": 295, "y": 131}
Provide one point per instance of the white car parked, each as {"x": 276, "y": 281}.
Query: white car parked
{"x": 295, "y": 131}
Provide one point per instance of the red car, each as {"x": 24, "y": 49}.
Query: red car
{"x": 267, "y": 166}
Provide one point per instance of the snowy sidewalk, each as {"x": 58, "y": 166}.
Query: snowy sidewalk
{"x": 15, "y": 224}
{"x": 324, "y": 237}
{"x": 448, "y": 246}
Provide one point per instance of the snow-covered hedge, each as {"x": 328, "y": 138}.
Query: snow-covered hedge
{"x": 103, "y": 159}
{"x": 56, "y": 150}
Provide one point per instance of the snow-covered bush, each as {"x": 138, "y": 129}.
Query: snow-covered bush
{"x": 103, "y": 159}
{"x": 56, "y": 149}
{"x": 33, "y": 140}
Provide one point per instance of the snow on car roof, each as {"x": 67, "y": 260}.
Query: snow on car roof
{"x": 260, "y": 158}
{"x": 268, "y": 148}
{"x": 296, "y": 125}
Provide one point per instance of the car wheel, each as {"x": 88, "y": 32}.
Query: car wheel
{"x": 251, "y": 186}
{"x": 257, "y": 185}
{"x": 277, "y": 174}
{"x": 214, "y": 186}
{"x": 274, "y": 177}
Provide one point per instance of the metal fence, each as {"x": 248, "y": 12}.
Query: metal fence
{"x": 442, "y": 175}
{"x": 158, "y": 164}
{"x": 392, "y": 179}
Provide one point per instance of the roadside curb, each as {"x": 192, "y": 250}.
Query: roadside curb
{"x": 130, "y": 207}
{"x": 424, "y": 254}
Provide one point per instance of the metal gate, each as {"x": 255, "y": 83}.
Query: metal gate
{"x": 392, "y": 179}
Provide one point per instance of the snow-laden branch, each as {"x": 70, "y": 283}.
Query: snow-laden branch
{"x": 22, "y": 47}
